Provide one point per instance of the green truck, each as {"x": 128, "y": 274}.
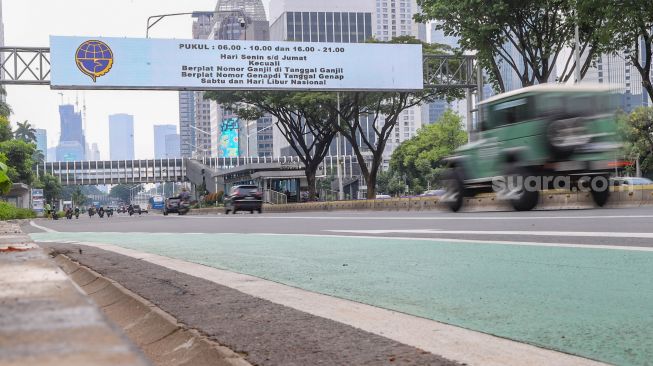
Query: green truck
{"x": 536, "y": 138}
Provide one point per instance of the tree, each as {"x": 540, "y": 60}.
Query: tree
{"x": 124, "y": 192}
{"x": 25, "y": 132}
{"x": 631, "y": 29}
{"x": 5, "y": 109}
{"x": 51, "y": 187}
{"x": 307, "y": 120}
{"x": 637, "y": 131}
{"x": 78, "y": 197}
{"x": 420, "y": 159}
{"x": 5, "y": 182}
{"x": 379, "y": 113}
{"x": 6, "y": 133}
{"x": 389, "y": 182}
{"x": 529, "y": 36}
{"x": 19, "y": 159}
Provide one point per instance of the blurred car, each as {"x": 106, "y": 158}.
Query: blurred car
{"x": 175, "y": 205}
{"x": 382, "y": 197}
{"x": 433, "y": 192}
{"x": 139, "y": 210}
{"x": 631, "y": 181}
{"x": 243, "y": 198}
{"x": 531, "y": 136}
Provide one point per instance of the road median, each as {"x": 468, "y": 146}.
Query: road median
{"x": 549, "y": 200}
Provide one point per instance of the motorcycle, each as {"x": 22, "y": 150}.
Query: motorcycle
{"x": 55, "y": 215}
{"x": 91, "y": 212}
{"x": 77, "y": 215}
{"x": 184, "y": 207}
{"x": 109, "y": 213}
{"x": 69, "y": 214}
{"x": 100, "y": 213}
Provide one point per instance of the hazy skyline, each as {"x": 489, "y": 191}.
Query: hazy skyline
{"x": 29, "y": 23}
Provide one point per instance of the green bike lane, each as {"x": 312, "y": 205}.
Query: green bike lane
{"x": 595, "y": 303}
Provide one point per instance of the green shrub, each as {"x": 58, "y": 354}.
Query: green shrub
{"x": 24, "y": 213}
{"x": 10, "y": 212}
{"x": 7, "y": 211}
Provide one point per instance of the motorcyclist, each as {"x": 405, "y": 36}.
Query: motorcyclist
{"x": 69, "y": 213}
{"x": 77, "y": 212}
{"x": 109, "y": 211}
{"x": 130, "y": 209}
{"x": 48, "y": 210}
{"x": 184, "y": 195}
{"x": 101, "y": 211}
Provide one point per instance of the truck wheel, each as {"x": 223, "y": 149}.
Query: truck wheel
{"x": 455, "y": 189}
{"x": 600, "y": 190}
{"x": 520, "y": 196}
{"x": 165, "y": 213}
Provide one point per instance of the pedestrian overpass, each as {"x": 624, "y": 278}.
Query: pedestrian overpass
{"x": 196, "y": 171}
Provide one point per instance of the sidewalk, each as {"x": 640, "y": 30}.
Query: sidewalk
{"x": 45, "y": 319}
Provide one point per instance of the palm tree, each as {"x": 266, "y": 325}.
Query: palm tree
{"x": 38, "y": 157}
{"x": 25, "y": 132}
{"x": 5, "y": 109}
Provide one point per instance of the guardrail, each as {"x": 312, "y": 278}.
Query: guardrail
{"x": 274, "y": 197}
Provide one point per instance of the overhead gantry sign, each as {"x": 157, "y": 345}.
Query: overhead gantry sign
{"x": 164, "y": 64}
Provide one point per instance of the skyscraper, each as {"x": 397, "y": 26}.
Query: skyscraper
{"x": 95, "y": 152}
{"x": 42, "y": 141}
{"x": 618, "y": 70}
{"x": 227, "y": 25}
{"x": 121, "y": 137}
{"x": 339, "y": 21}
{"x": 72, "y": 142}
{"x": 394, "y": 18}
{"x": 2, "y": 44}
{"x": 161, "y": 132}
{"x": 172, "y": 146}
{"x": 188, "y": 134}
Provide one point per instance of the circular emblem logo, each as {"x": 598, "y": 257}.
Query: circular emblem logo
{"x": 94, "y": 58}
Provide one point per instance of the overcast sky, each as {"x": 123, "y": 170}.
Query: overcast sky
{"x": 31, "y": 22}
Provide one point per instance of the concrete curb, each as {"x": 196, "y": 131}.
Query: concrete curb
{"x": 45, "y": 318}
{"x": 163, "y": 340}
{"x": 549, "y": 200}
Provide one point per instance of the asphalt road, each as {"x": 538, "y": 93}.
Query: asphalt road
{"x": 576, "y": 281}
{"x": 619, "y": 227}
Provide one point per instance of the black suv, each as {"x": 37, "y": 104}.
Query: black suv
{"x": 244, "y": 198}
{"x": 175, "y": 205}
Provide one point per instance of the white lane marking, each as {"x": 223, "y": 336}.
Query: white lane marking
{"x": 448, "y": 341}
{"x": 437, "y": 240}
{"x": 586, "y": 234}
{"x": 412, "y": 218}
{"x": 47, "y": 230}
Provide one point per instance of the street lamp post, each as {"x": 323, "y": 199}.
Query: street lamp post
{"x": 341, "y": 190}
{"x": 131, "y": 191}
{"x": 154, "y": 19}
{"x": 204, "y": 132}
{"x": 247, "y": 134}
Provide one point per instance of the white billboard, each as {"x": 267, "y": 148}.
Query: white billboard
{"x": 168, "y": 64}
